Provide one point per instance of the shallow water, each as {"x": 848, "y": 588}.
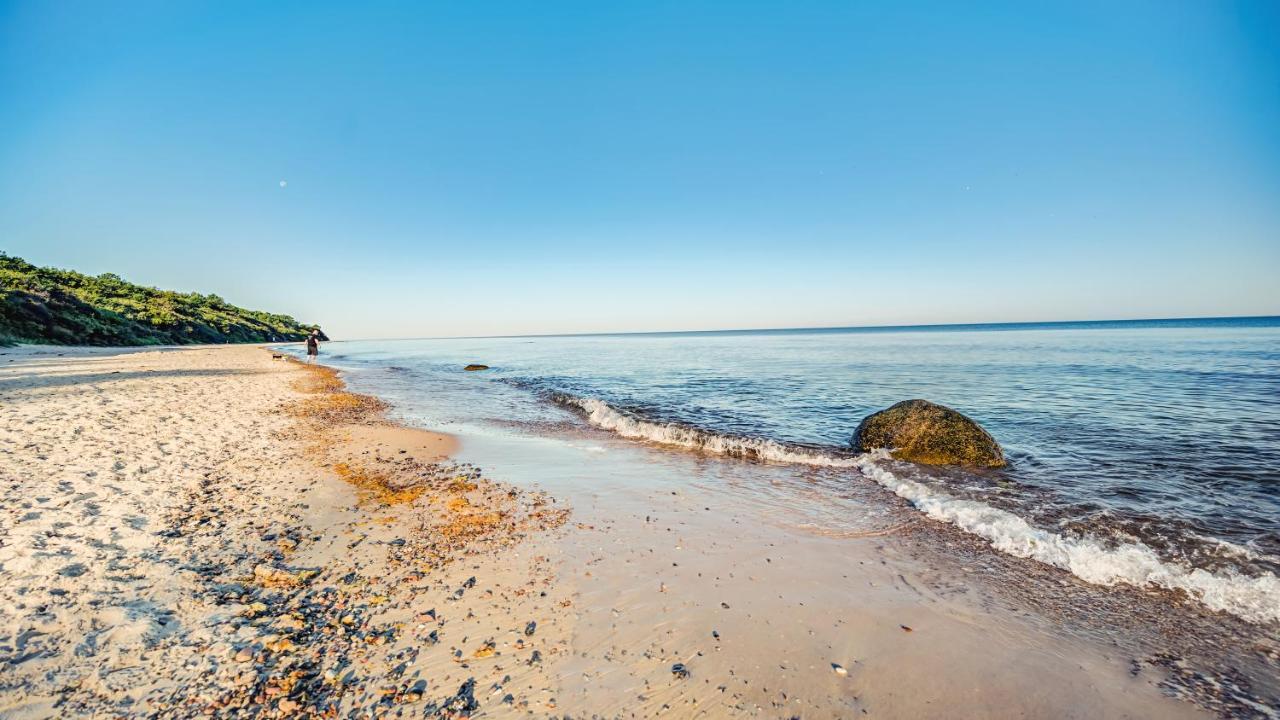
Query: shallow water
{"x": 1140, "y": 453}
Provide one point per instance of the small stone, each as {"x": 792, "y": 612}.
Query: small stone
{"x": 281, "y": 645}
{"x": 839, "y": 669}
{"x": 289, "y": 622}
{"x": 268, "y": 576}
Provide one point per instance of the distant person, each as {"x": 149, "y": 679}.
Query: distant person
{"x": 313, "y": 346}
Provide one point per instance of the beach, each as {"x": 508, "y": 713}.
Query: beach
{"x": 214, "y": 531}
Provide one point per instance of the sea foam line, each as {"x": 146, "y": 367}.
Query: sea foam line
{"x": 1253, "y": 598}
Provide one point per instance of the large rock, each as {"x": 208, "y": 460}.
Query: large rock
{"x": 922, "y": 432}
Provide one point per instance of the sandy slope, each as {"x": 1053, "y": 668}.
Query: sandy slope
{"x": 175, "y": 541}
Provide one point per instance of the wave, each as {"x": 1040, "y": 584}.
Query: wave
{"x": 1254, "y": 598}
{"x": 602, "y": 415}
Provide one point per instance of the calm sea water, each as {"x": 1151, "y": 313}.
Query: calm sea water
{"x": 1140, "y": 452}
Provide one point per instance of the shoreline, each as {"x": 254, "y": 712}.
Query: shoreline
{"x": 328, "y": 559}
{"x": 1218, "y": 662}
{"x": 212, "y": 531}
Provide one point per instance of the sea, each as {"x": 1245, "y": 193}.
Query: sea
{"x": 1143, "y": 453}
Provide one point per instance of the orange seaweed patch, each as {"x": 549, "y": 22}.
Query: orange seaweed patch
{"x": 333, "y": 408}
{"x": 318, "y": 379}
{"x": 330, "y": 403}
{"x": 376, "y": 486}
{"x": 472, "y": 525}
{"x": 460, "y": 485}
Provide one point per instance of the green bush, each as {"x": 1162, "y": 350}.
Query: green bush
{"x": 63, "y": 307}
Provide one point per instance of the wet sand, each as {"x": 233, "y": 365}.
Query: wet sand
{"x": 211, "y": 532}
{"x": 771, "y": 620}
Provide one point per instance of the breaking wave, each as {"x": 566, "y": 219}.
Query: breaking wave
{"x": 1255, "y": 598}
{"x": 603, "y": 415}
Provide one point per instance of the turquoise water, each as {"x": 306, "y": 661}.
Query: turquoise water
{"x": 1143, "y": 452}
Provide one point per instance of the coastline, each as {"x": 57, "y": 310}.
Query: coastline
{"x": 285, "y": 481}
{"x": 210, "y": 531}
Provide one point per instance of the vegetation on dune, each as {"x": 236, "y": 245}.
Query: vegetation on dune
{"x": 63, "y": 307}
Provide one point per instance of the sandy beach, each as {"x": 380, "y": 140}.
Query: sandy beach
{"x": 211, "y": 532}
{"x": 214, "y": 532}
{"x": 782, "y": 361}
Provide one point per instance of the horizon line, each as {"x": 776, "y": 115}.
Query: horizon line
{"x": 827, "y": 328}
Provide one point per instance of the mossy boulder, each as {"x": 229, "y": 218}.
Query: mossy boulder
{"x": 475, "y": 367}
{"x": 921, "y": 432}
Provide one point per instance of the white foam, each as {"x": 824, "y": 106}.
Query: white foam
{"x": 600, "y": 414}
{"x": 1253, "y": 598}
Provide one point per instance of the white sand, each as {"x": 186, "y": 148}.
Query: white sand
{"x": 138, "y": 486}
{"x": 98, "y": 452}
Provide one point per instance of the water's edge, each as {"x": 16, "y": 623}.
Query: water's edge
{"x": 1256, "y": 598}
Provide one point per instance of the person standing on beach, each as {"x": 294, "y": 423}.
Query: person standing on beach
{"x": 313, "y": 346}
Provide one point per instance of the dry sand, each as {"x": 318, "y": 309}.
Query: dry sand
{"x": 211, "y": 532}
{"x": 178, "y": 540}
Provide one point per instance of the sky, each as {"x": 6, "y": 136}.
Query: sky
{"x": 427, "y": 169}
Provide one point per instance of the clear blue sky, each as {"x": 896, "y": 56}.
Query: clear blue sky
{"x": 480, "y": 168}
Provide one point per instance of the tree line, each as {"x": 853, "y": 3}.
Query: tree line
{"x": 64, "y": 307}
